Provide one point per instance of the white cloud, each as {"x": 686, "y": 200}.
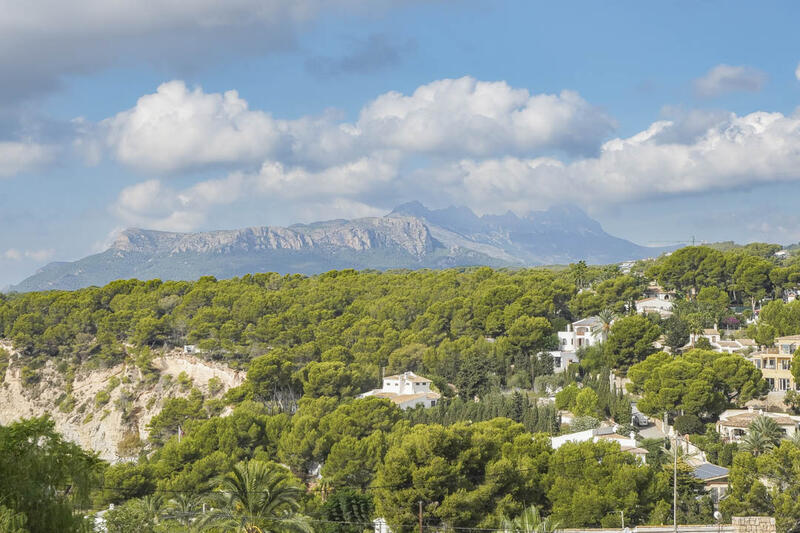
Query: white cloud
{"x": 738, "y": 152}
{"x": 332, "y": 192}
{"x": 16, "y": 157}
{"x": 728, "y": 78}
{"x": 458, "y": 116}
{"x": 176, "y": 128}
{"x": 13, "y": 254}
{"x": 797, "y": 72}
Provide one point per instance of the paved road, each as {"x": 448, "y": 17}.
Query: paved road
{"x": 651, "y": 432}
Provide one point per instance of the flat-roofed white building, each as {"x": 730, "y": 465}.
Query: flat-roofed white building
{"x": 406, "y": 390}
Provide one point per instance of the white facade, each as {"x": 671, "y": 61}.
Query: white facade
{"x": 582, "y": 333}
{"x": 562, "y": 359}
{"x": 734, "y": 424}
{"x": 626, "y": 444}
{"x": 654, "y": 305}
{"x": 406, "y": 390}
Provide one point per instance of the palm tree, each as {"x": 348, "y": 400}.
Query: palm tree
{"x": 182, "y": 507}
{"x": 763, "y": 435}
{"x": 796, "y": 438}
{"x": 603, "y": 327}
{"x": 258, "y": 497}
{"x": 530, "y": 521}
{"x": 151, "y": 505}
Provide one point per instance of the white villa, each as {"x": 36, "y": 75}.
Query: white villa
{"x": 654, "y": 304}
{"x": 406, "y": 390}
{"x": 626, "y": 444}
{"x": 719, "y": 345}
{"x": 735, "y": 423}
{"x": 582, "y": 333}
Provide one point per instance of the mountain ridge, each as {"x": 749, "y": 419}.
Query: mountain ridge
{"x": 410, "y": 236}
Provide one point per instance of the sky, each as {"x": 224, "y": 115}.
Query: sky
{"x": 664, "y": 121}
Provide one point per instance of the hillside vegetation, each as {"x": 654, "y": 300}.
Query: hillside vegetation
{"x": 310, "y": 345}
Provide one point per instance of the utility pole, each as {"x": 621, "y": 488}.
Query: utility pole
{"x": 420, "y": 516}
{"x": 675, "y": 486}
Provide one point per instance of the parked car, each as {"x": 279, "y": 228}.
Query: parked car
{"x": 638, "y": 418}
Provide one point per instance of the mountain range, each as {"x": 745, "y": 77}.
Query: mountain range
{"x": 411, "y": 236}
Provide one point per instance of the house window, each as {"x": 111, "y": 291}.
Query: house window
{"x": 786, "y": 364}
{"x": 433, "y": 403}
{"x": 784, "y": 384}
{"x": 771, "y": 383}
{"x": 758, "y": 363}
{"x": 770, "y": 364}
{"x": 556, "y": 362}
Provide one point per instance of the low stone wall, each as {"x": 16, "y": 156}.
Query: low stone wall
{"x": 721, "y": 528}
{"x": 753, "y": 524}
{"x": 741, "y": 524}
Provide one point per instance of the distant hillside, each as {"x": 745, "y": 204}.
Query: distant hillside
{"x": 411, "y": 236}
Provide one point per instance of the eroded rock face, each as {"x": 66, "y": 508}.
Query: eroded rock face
{"x": 406, "y": 233}
{"x": 100, "y": 428}
{"x": 409, "y": 237}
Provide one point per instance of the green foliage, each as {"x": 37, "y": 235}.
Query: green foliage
{"x": 585, "y": 403}
{"x": 35, "y": 465}
{"x": 565, "y": 398}
{"x": 630, "y": 341}
{"x": 130, "y": 516}
{"x": 346, "y": 505}
{"x": 11, "y": 521}
{"x": 699, "y": 382}
{"x": 766, "y": 485}
{"x": 258, "y": 496}
{"x": 101, "y": 398}
{"x": 184, "y": 381}
{"x": 530, "y": 521}
{"x": 175, "y": 413}
{"x": 590, "y": 483}
{"x": 5, "y": 358}
{"x": 468, "y": 475}
{"x": 688, "y": 425}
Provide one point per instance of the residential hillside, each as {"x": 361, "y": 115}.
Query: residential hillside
{"x": 360, "y": 394}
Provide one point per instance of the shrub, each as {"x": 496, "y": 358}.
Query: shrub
{"x": 101, "y": 398}
{"x": 184, "y": 381}
{"x": 214, "y": 386}
{"x": 582, "y": 423}
{"x": 689, "y": 425}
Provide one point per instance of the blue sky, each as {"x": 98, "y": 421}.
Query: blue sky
{"x": 662, "y": 120}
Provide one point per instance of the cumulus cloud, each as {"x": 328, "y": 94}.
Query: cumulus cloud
{"x": 797, "y": 72}
{"x": 728, "y": 78}
{"x": 17, "y": 157}
{"x": 178, "y": 128}
{"x": 738, "y": 152}
{"x": 482, "y": 144}
{"x": 481, "y": 118}
{"x": 66, "y": 38}
{"x": 331, "y": 192}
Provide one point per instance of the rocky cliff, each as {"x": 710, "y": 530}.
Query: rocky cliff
{"x": 131, "y": 404}
{"x": 411, "y": 236}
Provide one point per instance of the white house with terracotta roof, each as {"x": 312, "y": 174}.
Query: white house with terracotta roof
{"x": 718, "y": 344}
{"x": 734, "y": 424}
{"x": 406, "y": 390}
